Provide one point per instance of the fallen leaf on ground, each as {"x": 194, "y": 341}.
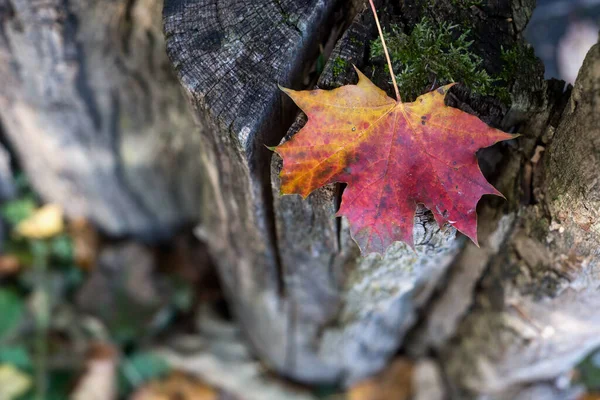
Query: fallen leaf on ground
{"x": 45, "y": 222}
{"x": 392, "y": 155}
{"x": 176, "y": 386}
{"x": 86, "y": 242}
{"x": 393, "y": 383}
{"x": 9, "y": 265}
{"x": 99, "y": 381}
{"x": 590, "y": 396}
{"x": 13, "y": 382}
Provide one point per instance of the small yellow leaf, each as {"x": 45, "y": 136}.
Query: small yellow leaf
{"x": 44, "y": 223}
{"x": 590, "y": 396}
{"x": 9, "y": 265}
{"x": 99, "y": 382}
{"x": 86, "y": 242}
{"x": 393, "y": 383}
{"x": 176, "y": 386}
{"x": 13, "y": 382}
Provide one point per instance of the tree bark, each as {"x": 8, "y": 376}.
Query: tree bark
{"x": 95, "y": 114}
{"x": 534, "y": 315}
{"x": 230, "y": 56}
{"x": 336, "y": 316}
{"x": 314, "y": 309}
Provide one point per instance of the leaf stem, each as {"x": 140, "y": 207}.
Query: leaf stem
{"x": 387, "y": 56}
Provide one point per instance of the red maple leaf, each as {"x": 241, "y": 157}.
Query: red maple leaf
{"x": 392, "y": 155}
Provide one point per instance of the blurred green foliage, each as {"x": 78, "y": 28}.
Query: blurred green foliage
{"x": 589, "y": 371}
{"x": 140, "y": 368}
{"x": 35, "y": 297}
{"x": 11, "y": 314}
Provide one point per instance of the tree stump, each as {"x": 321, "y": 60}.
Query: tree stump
{"x": 99, "y": 122}
{"x": 95, "y": 114}
{"x": 230, "y": 57}
{"x": 535, "y": 313}
{"x": 314, "y": 309}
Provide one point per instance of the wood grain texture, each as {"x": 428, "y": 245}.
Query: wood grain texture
{"x": 364, "y": 309}
{"x": 230, "y": 56}
{"x": 95, "y": 114}
{"x": 351, "y": 312}
{"x": 535, "y": 314}
{"x": 313, "y": 309}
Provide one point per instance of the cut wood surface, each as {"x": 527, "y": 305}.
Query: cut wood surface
{"x": 230, "y": 56}
{"x": 339, "y": 317}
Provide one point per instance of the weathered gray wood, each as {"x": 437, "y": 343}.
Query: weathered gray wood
{"x": 313, "y": 308}
{"x": 354, "y": 312}
{"x": 351, "y": 312}
{"x": 7, "y": 189}
{"x": 535, "y": 315}
{"x": 98, "y": 120}
{"x": 104, "y": 130}
{"x": 230, "y": 56}
{"x": 445, "y": 312}
{"x": 220, "y": 356}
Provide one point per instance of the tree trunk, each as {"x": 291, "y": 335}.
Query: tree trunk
{"x": 230, "y": 57}
{"x": 534, "y": 314}
{"x": 314, "y": 308}
{"x": 98, "y": 120}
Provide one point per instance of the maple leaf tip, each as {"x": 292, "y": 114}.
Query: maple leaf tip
{"x": 359, "y": 73}
{"x": 284, "y": 90}
{"x": 443, "y": 90}
{"x": 473, "y": 237}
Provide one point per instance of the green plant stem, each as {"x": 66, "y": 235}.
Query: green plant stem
{"x": 41, "y": 315}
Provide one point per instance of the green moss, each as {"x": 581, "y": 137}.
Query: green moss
{"x": 467, "y": 3}
{"x": 339, "y": 66}
{"x": 589, "y": 371}
{"x": 520, "y": 59}
{"x": 539, "y": 228}
{"x": 287, "y": 18}
{"x": 434, "y": 54}
{"x": 355, "y": 41}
